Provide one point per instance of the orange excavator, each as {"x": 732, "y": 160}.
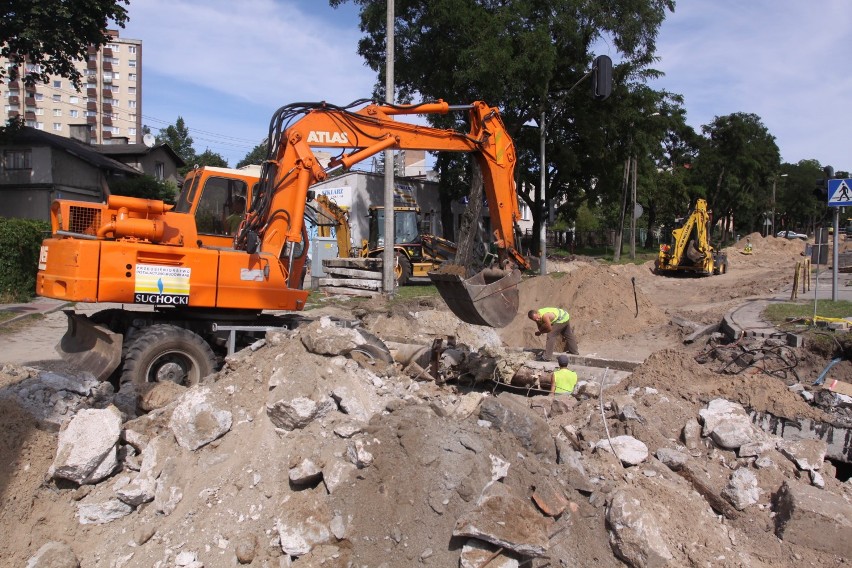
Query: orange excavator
{"x": 196, "y": 292}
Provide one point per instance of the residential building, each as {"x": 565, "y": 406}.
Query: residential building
{"x": 107, "y": 109}
{"x": 157, "y": 160}
{"x": 38, "y": 167}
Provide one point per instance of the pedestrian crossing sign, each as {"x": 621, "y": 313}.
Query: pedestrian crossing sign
{"x": 839, "y": 192}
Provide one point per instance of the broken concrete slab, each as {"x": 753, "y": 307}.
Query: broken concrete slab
{"x": 505, "y": 520}
{"x": 88, "y": 446}
{"x": 634, "y": 532}
{"x": 811, "y": 517}
{"x": 626, "y": 448}
{"x": 196, "y": 422}
{"x": 510, "y": 413}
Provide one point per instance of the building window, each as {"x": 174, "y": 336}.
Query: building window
{"x": 57, "y": 112}
{"x": 131, "y": 62}
{"x": 31, "y": 123}
{"x": 114, "y": 46}
{"x": 160, "y": 170}
{"x": 90, "y": 72}
{"x": 73, "y": 113}
{"x": 116, "y": 76}
{"x": 131, "y": 132}
{"x": 74, "y": 100}
{"x": 57, "y": 98}
{"x": 131, "y": 90}
{"x": 8, "y": 109}
{"x": 17, "y": 159}
{"x": 107, "y": 75}
{"x": 39, "y": 111}
{"x": 131, "y": 104}
{"x": 57, "y": 126}
{"x": 115, "y": 89}
{"x": 39, "y": 126}
{"x": 116, "y": 130}
{"x": 131, "y": 76}
{"x": 57, "y": 84}
{"x": 90, "y": 113}
{"x": 131, "y": 49}
{"x": 39, "y": 97}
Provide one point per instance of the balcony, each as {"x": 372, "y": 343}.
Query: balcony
{"x": 92, "y": 106}
{"x": 107, "y": 52}
{"x": 106, "y": 121}
{"x": 30, "y": 101}
{"x": 107, "y": 66}
{"x": 92, "y": 93}
{"x": 93, "y": 64}
{"x": 14, "y": 100}
{"x": 106, "y": 93}
{"x": 91, "y": 120}
{"x": 92, "y": 50}
{"x": 30, "y": 115}
{"x": 13, "y": 114}
{"x": 14, "y": 85}
{"x": 106, "y": 134}
{"x": 106, "y": 108}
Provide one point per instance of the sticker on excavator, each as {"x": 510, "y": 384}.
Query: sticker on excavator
{"x": 167, "y": 285}
{"x": 488, "y": 298}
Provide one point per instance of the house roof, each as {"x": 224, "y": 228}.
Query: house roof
{"x": 85, "y": 152}
{"x": 136, "y": 150}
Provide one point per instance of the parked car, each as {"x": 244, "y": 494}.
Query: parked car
{"x": 791, "y": 235}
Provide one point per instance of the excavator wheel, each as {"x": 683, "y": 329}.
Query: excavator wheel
{"x": 402, "y": 270}
{"x": 165, "y": 352}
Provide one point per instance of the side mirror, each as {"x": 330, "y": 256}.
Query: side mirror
{"x": 602, "y": 77}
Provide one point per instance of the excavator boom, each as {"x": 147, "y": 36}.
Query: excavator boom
{"x": 277, "y": 212}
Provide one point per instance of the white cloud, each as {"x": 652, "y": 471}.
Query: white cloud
{"x": 783, "y": 60}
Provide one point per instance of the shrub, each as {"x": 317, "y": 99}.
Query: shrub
{"x": 20, "y": 243}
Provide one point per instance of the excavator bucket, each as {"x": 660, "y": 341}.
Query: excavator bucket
{"x": 488, "y": 298}
{"x": 90, "y": 347}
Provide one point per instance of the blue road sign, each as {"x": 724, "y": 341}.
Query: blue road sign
{"x": 839, "y": 192}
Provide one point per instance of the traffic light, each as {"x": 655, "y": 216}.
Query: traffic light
{"x": 821, "y": 189}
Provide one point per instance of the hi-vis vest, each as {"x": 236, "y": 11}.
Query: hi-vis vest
{"x": 561, "y": 315}
{"x": 565, "y": 380}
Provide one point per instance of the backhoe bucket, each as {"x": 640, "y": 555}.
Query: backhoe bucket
{"x": 90, "y": 347}
{"x": 488, "y": 298}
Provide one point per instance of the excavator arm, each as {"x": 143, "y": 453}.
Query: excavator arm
{"x": 691, "y": 250}
{"x": 277, "y": 212}
{"x": 275, "y": 220}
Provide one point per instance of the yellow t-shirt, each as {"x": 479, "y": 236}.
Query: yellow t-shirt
{"x": 565, "y": 380}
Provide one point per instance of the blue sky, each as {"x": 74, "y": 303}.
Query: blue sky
{"x": 226, "y": 66}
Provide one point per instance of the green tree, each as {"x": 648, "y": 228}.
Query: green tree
{"x": 51, "y": 35}
{"x": 736, "y": 163}
{"x": 146, "y": 187}
{"x": 177, "y": 136}
{"x": 208, "y": 158}
{"x": 523, "y": 56}
{"x": 256, "y": 156}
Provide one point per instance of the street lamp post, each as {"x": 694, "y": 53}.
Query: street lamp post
{"x": 774, "y": 180}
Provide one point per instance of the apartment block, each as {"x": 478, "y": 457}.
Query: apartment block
{"x": 107, "y": 109}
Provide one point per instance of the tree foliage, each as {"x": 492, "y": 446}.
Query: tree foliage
{"x": 738, "y": 159}
{"x": 145, "y": 187}
{"x": 177, "y": 136}
{"x": 20, "y": 242}
{"x": 523, "y": 56}
{"x": 51, "y": 35}
{"x": 256, "y": 156}
{"x": 209, "y": 158}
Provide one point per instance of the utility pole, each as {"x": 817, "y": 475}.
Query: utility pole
{"x": 388, "y": 276}
{"x": 541, "y": 199}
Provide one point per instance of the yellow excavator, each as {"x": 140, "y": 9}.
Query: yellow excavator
{"x": 691, "y": 251}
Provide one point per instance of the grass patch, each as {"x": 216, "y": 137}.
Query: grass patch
{"x": 780, "y": 314}
{"x": 4, "y": 315}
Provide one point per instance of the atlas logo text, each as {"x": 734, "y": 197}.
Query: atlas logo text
{"x": 321, "y": 137}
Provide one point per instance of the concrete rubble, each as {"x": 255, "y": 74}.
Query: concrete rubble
{"x": 319, "y": 448}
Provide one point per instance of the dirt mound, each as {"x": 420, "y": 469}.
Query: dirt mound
{"x": 599, "y": 298}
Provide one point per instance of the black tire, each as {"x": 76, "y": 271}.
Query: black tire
{"x": 167, "y": 353}
{"x": 402, "y": 270}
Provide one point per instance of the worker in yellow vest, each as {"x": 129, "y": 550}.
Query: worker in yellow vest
{"x": 555, "y": 323}
{"x": 564, "y": 379}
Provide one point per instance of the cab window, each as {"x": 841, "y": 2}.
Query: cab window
{"x": 221, "y": 200}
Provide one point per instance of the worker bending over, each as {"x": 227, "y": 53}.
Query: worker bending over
{"x": 554, "y": 322}
{"x": 564, "y": 379}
